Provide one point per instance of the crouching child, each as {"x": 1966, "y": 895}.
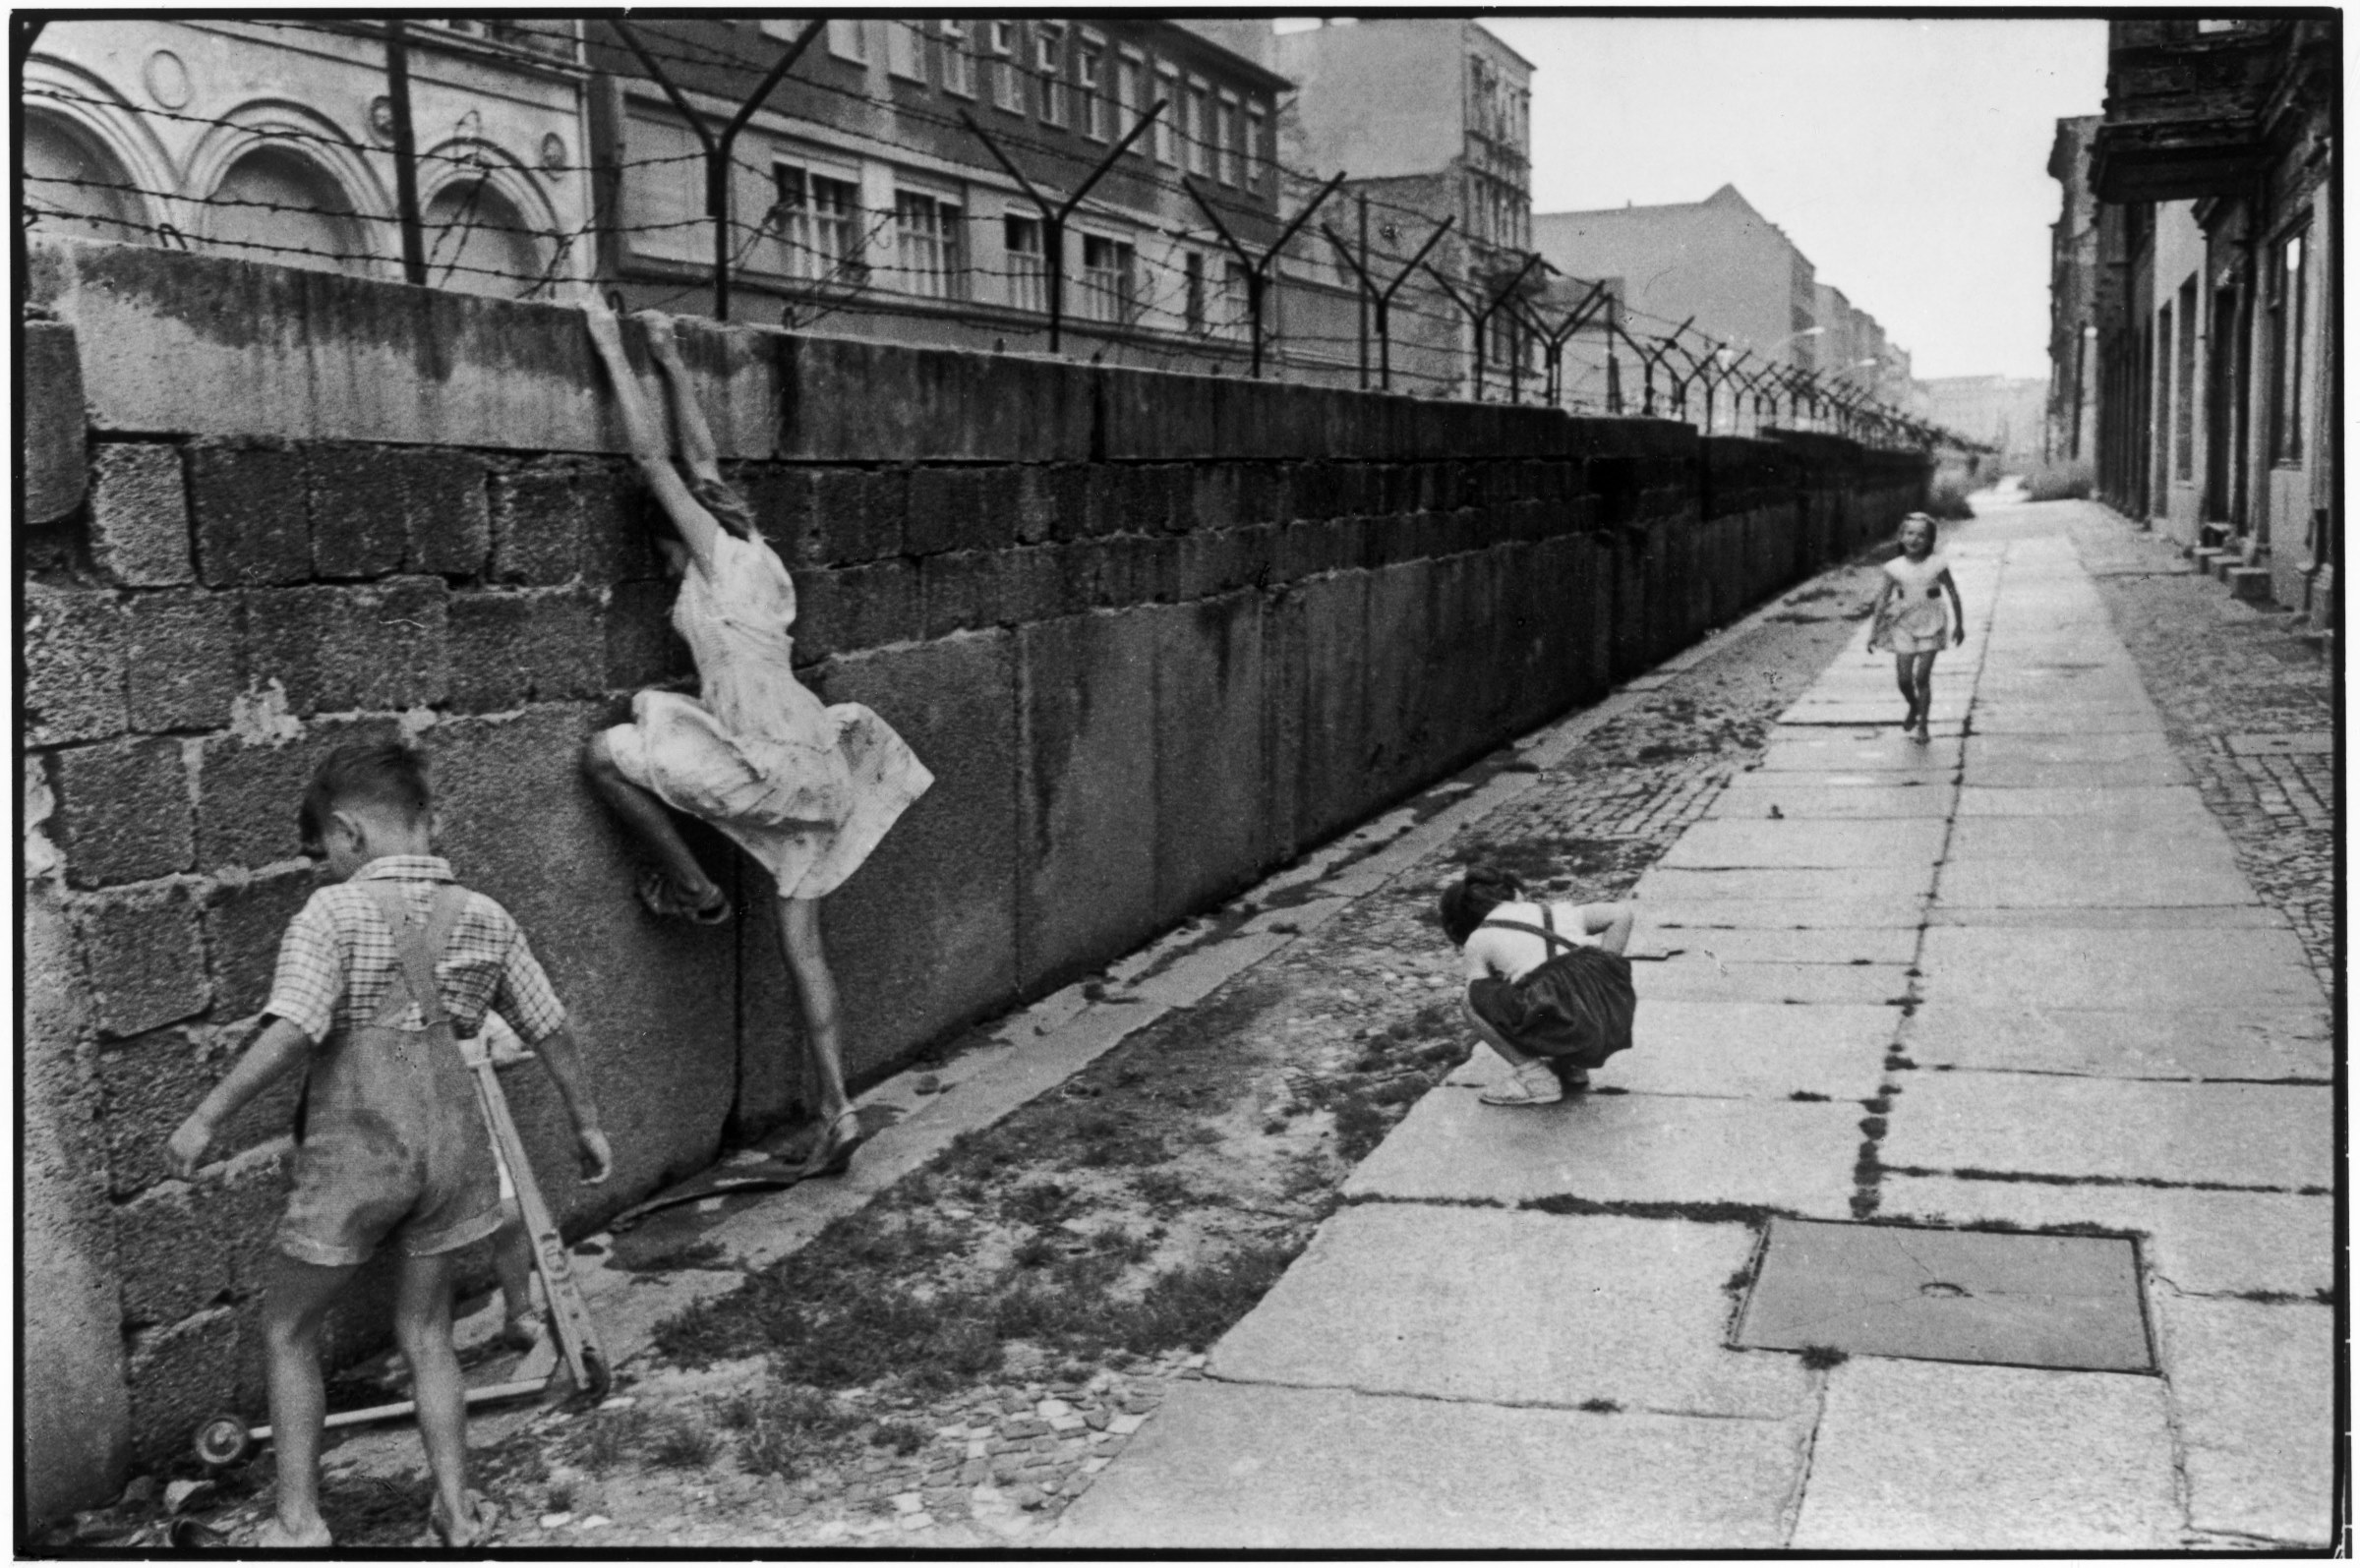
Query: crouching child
{"x": 1548, "y": 988}
{"x": 378, "y": 976}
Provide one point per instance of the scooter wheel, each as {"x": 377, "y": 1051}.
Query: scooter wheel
{"x": 223, "y": 1440}
{"x": 602, "y": 1382}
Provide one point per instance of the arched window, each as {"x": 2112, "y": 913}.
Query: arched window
{"x": 276, "y": 206}
{"x": 78, "y": 187}
{"x": 478, "y": 242}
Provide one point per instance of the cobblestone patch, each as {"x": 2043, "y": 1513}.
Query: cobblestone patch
{"x": 2249, "y": 707}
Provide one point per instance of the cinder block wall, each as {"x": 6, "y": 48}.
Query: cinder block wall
{"x": 1154, "y": 634}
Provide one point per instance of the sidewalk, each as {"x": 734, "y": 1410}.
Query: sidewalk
{"x": 2015, "y": 980}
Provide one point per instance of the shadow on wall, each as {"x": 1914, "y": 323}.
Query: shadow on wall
{"x": 1154, "y": 634}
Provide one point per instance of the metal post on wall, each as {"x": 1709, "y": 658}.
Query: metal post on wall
{"x": 717, "y": 149}
{"x": 1477, "y": 318}
{"x": 1054, "y": 213}
{"x": 1361, "y": 268}
{"x": 1553, "y": 338}
{"x": 1381, "y": 300}
{"x": 1257, "y": 268}
{"x": 405, "y": 152}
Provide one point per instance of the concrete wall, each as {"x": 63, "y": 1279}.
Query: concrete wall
{"x": 1154, "y": 634}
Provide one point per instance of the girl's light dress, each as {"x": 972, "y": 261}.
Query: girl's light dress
{"x": 807, "y": 790}
{"x": 1920, "y": 620}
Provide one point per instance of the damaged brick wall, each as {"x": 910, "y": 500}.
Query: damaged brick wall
{"x": 1155, "y": 635}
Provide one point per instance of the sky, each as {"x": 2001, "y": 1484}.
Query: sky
{"x": 1907, "y": 159}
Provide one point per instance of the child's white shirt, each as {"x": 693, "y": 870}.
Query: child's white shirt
{"x": 1513, "y": 955}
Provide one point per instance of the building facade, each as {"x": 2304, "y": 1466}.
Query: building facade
{"x": 2006, "y": 413}
{"x": 2214, "y": 164}
{"x": 2071, "y": 432}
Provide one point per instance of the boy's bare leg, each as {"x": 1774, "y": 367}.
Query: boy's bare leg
{"x": 806, "y": 959}
{"x": 650, "y": 822}
{"x": 422, "y": 1328}
{"x": 294, "y": 1305}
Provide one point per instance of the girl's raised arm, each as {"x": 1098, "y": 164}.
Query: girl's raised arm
{"x": 697, "y": 529}
{"x": 698, "y": 451}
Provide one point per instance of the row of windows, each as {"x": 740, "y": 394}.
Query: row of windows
{"x": 2286, "y": 314}
{"x": 1075, "y": 80}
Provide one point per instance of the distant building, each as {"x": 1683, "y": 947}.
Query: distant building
{"x": 2007, "y": 412}
{"x": 2072, "y": 282}
{"x": 1430, "y": 118}
{"x": 2217, "y": 310}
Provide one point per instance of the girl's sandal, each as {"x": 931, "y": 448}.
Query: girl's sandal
{"x": 481, "y": 1512}
{"x": 832, "y": 1155}
{"x": 1533, "y": 1083}
{"x": 662, "y": 897}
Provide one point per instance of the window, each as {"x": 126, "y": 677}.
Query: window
{"x": 2183, "y": 387}
{"x": 1257, "y": 128}
{"x": 312, "y": 225}
{"x": 1048, "y": 64}
{"x": 1228, "y": 158}
{"x": 1236, "y": 299}
{"x": 1027, "y": 265}
{"x": 1194, "y": 303}
{"x": 926, "y": 237}
{"x": 1129, "y": 96}
{"x": 1196, "y": 129}
{"x": 2286, "y": 279}
{"x": 1108, "y": 285}
{"x": 957, "y": 66}
{"x": 848, "y": 39}
{"x": 1168, "y": 126}
{"x": 906, "y": 50}
{"x": 1090, "y": 64}
{"x": 78, "y": 187}
{"x": 818, "y": 219}
{"x": 1007, "y": 82}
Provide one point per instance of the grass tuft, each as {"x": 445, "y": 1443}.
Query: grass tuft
{"x": 1599, "y": 1407}
{"x": 1820, "y": 1357}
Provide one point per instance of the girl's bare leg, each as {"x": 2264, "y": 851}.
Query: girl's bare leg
{"x": 1908, "y": 687}
{"x": 650, "y": 822}
{"x": 1921, "y": 698}
{"x": 806, "y": 959}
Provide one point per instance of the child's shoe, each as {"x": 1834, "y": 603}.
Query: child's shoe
{"x": 1533, "y": 1083}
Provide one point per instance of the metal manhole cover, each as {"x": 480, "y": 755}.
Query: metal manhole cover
{"x": 1999, "y": 1296}
{"x": 2296, "y": 743}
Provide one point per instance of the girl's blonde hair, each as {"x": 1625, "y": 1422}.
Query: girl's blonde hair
{"x": 1933, "y": 530}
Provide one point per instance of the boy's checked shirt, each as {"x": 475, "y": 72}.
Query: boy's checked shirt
{"x": 337, "y": 959}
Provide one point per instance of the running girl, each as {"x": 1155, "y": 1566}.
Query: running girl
{"x": 1910, "y": 620}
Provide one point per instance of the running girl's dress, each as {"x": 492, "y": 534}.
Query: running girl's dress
{"x": 804, "y": 789}
{"x": 1920, "y": 620}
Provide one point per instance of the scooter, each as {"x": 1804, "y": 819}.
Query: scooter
{"x": 577, "y": 1356}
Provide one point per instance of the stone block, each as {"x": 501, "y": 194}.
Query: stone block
{"x": 1086, "y": 748}
{"x": 244, "y": 919}
{"x": 642, "y": 650}
{"x": 537, "y": 530}
{"x": 146, "y": 1088}
{"x": 381, "y": 647}
{"x": 253, "y": 514}
{"x": 940, "y": 499}
{"x": 185, "y": 658}
{"x": 856, "y": 514}
{"x": 140, "y": 514}
{"x": 179, "y": 1374}
{"x": 74, "y": 642}
{"x": 780, "y": 496}
{"x": 1213, "y": 814}
{"x": 360, "y": 515}
{"x": 1057, "y": 503}
{"x": 123, "y": 811}
{"x": 853, "y": 608}
{"x": 143, "y": 959}
{"x": 960, "y": 592}
{"x": 512, "y": 647}
{"x": 446, "y": 509}
{"x": 248, "y": 792}
{"x": 2243, "y": 1135}
{"x": 1037, "y": 584}
{"x": 1333, "y": 789}
{"x": 185, "y": 1249}
{"x": 2253, "y": 1393}
{"x": 53, "y": 453}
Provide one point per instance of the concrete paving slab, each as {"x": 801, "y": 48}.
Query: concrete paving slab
{"x": 1739, "y": 1050}
{"x": 1863, "y": 884}
{"x": 2019, "y": 773}
{"x": 2001, "y": 1298}
{"x": 2190, "y": 1239}
{"x": 1894, "y": 912}
{"x": 1701, "y": 979}
{"x": 1260, "y": 1469}
{"x": 1870, "y": 712}
{"x": 2075, "y": 798}
{"x": 1856, "y": 945}
{"x": 2179, "y": 1043}
{"x": 2088, "y": 880}
{"x": 1618, "y": 1148}
{"x": 2242, "y": 1135}
{"x": 1923, "y": 1456}
{"x": 2152, "y": 970}
{"x": 1797, "y": 801}
{"x": 1805, "y": 750}
{"x": 2093, "y": 917}
{"x": 1732, "y": 842}
{"x": 2022, "y": 718}
{"x": 1573, "y": 1307}
{"x": 2252, "y": 1389}
{"x": 2069, "y": 744}
{"x": 2175, "y": 834}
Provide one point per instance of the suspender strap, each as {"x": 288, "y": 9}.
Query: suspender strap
{"x": 418, "y": 944}
{"x": 1549, "y": 936}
